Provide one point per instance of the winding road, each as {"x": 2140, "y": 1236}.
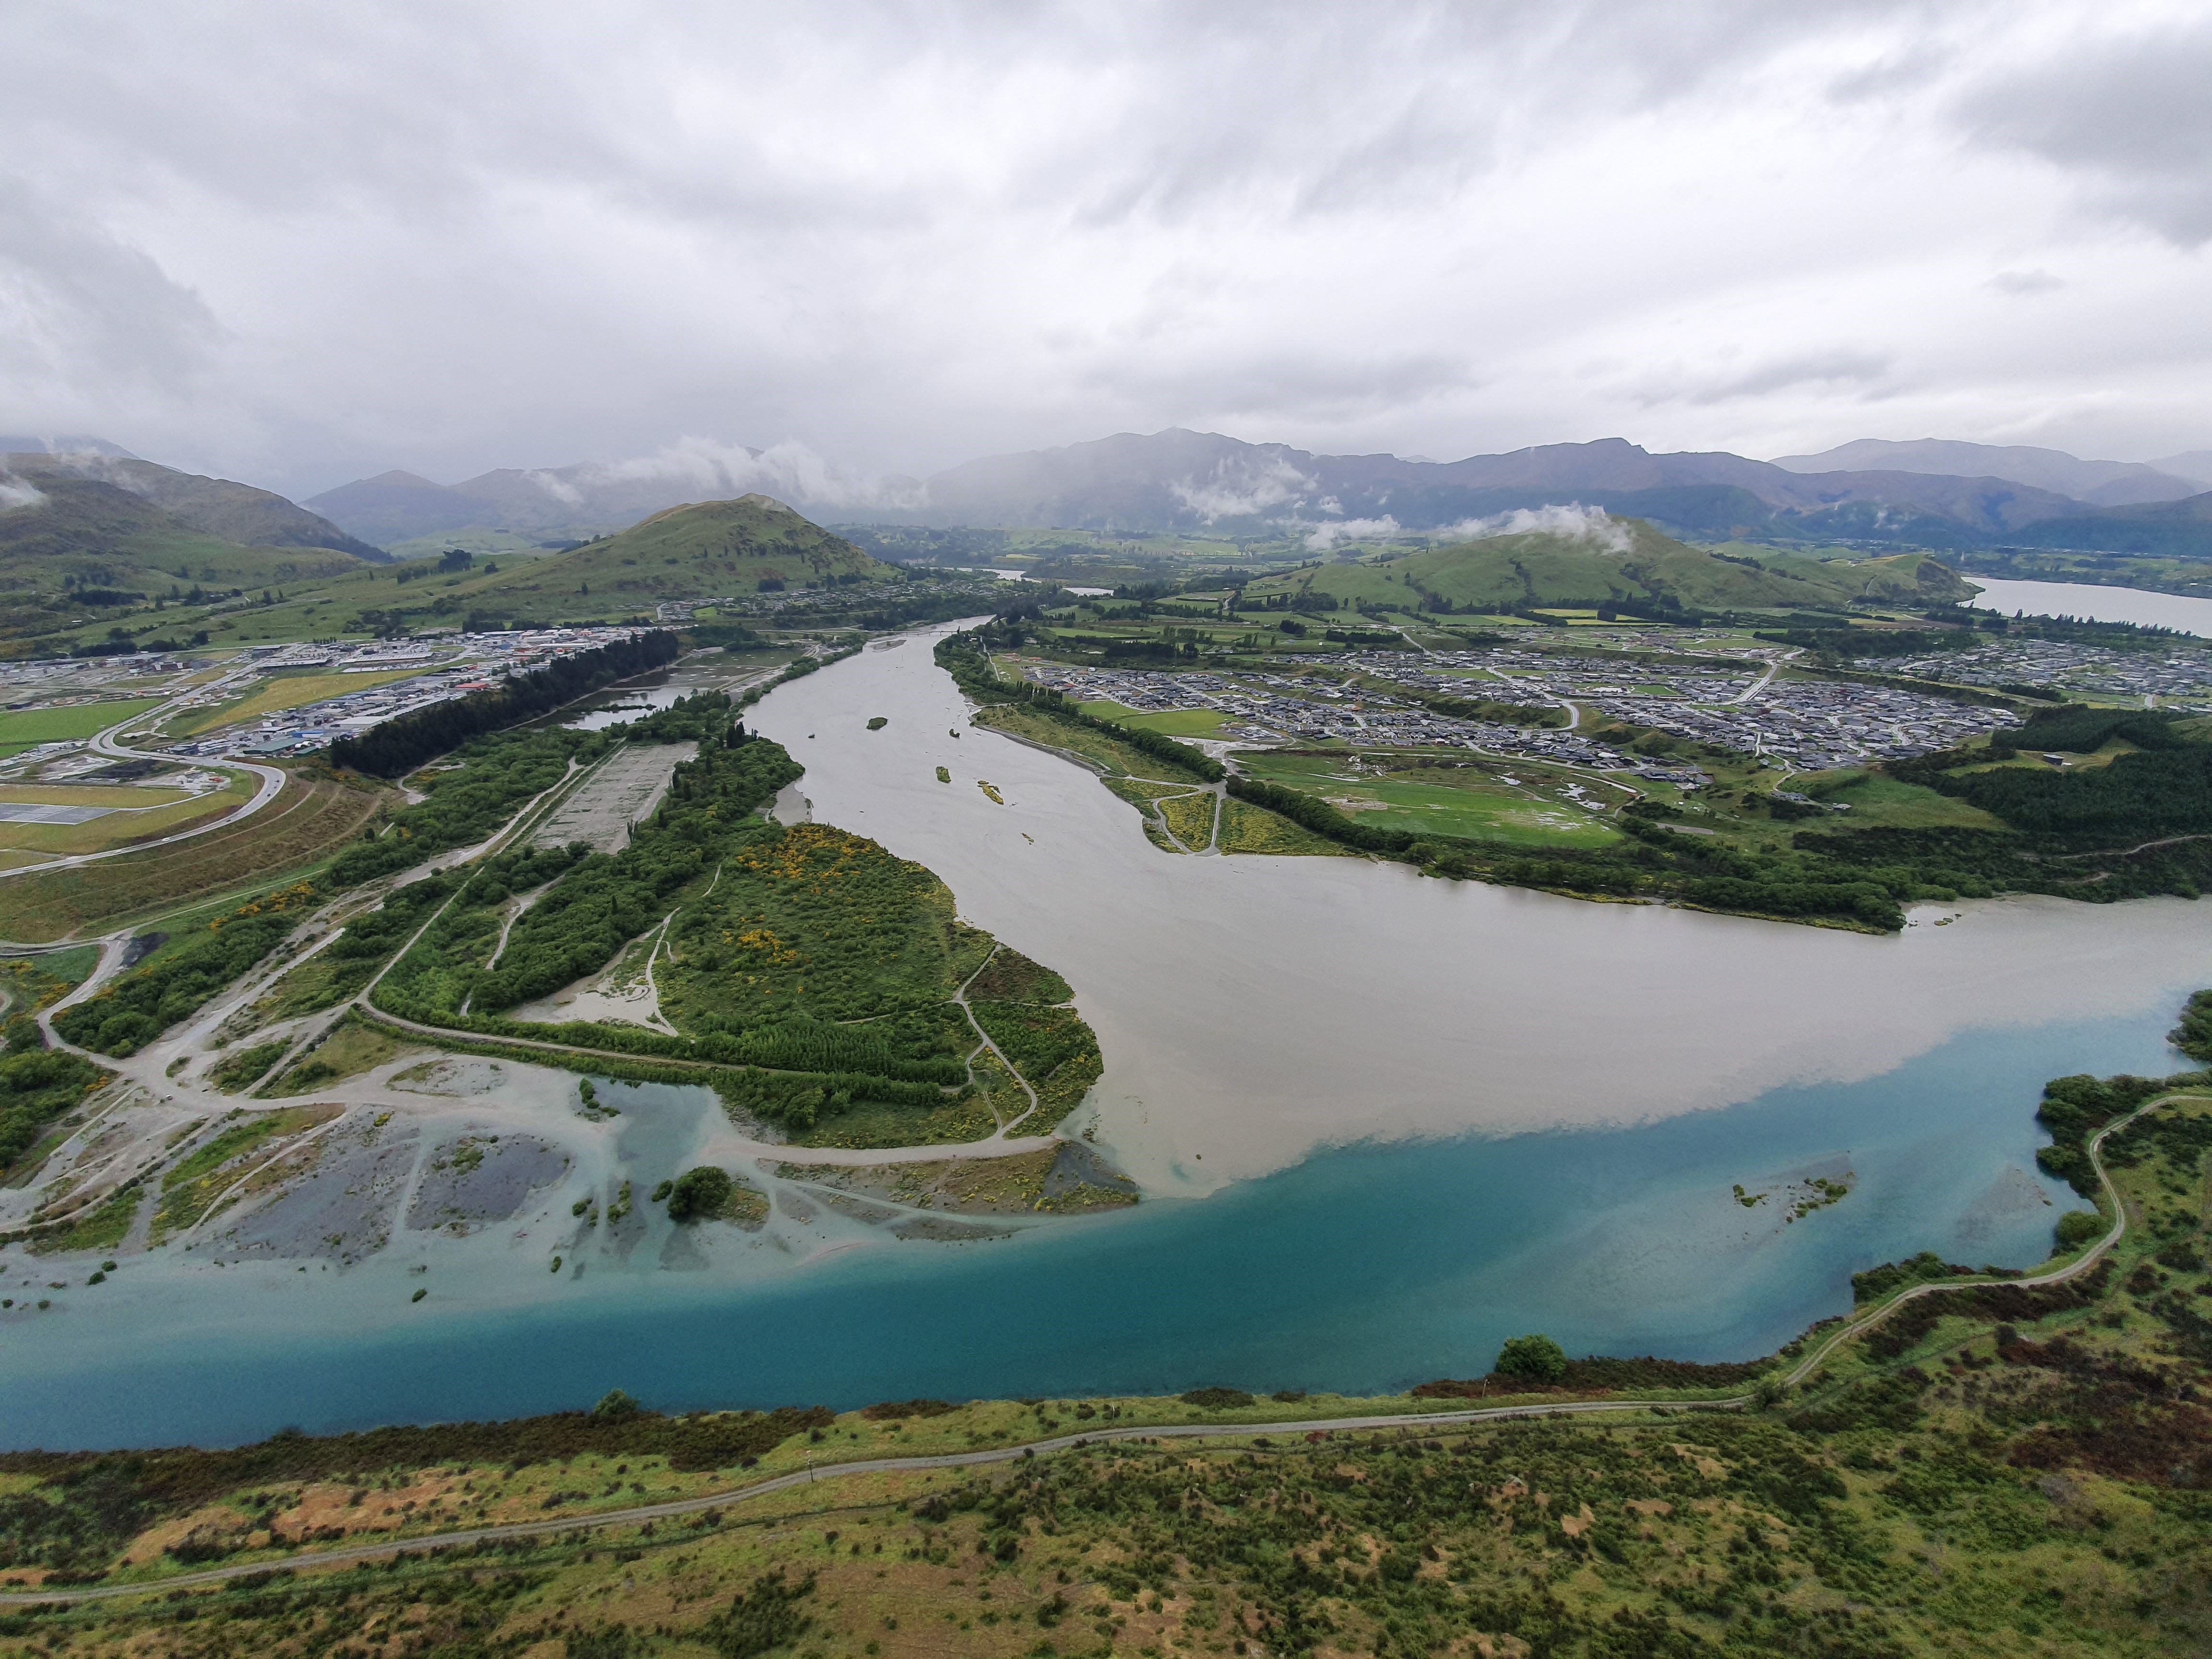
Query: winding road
{"x": 273, "y": 779}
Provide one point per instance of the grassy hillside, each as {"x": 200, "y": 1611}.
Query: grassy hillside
{"x": 89, "y": 555}
{"x": 703, "y": 551}
{"x": 1554, "y": 572}
{"x": 221, "y": 508}
{"x": 89, "y": 537}
{"x": 1547, "y": 569}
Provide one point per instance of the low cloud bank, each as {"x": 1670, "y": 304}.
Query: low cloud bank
{"x": 1322, "y": 537}
{"x": 1573, "y": 521}
{"x": 1244, "y": 496}
{"x": 790, "y": 471}
{"x": 15, "y": 492}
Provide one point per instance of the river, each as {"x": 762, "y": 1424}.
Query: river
{"x": 2094, "y": 602}
{"x": 1385, "y": 1121}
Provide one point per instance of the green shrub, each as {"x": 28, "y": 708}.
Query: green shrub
{"x": 2078, "y": 1227}
{"x": 1535, "y": 1358}
{"x": 700, "y": 1194}
{"x": 1216, "y": 1399}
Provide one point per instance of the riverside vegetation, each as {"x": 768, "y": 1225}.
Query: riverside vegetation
{"x": 2124, "y": 810}
{"x": 1994, "y": 1468}
{"x": 813, "y": 972}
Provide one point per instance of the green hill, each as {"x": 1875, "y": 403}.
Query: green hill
{"x": 703, "y": 551}
{"x": 1544, "y": 568}
{"x": 87, "y": 555}
{"x": 221, "y": 508}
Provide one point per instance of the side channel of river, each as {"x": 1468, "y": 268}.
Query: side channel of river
{"x": 1386, "y": 1123}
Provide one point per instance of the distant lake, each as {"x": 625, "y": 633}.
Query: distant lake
{"x": 2095, "y": 604}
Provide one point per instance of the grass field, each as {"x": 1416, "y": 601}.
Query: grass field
{"x": 27, "y": 728}
{"x": 348, "y": 1051}
{"x": 118, "y": 828}
{"x": 305, "y": 824}
{"x": 1249, "y": 829}
{"x": 1173, "y": 722}
{"x": 89, "y": 794}
{"x": 1091, "y": 746}
{"x": 290, "y": 691}
{"x": 1881, "y": 802}
{"x": 1472, "y": 802}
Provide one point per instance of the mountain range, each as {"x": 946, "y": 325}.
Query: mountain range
{"x": 2101, "y": 484}
{"x": 81, "y": 475}
{"x": 1930, "y": 493}
{"x": 1176, "y": 480}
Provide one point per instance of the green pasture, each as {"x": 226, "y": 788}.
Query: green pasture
{"x": 1470, "y": 803}
{"x": 1173, "y": 722}
{"x": 25, "y": 728}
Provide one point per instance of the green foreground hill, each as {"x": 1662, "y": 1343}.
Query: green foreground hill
{"x": 703, "y": 550}
{"x": 1543, "y": 568}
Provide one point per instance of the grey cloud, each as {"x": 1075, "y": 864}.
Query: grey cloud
{"x": 2026, "y": 283}
{"x": 1322, "y": 384}
{"x": 78, "y": 304}
{"x": 2129, "y": 118}
{"x": 1892, "y": 77}
{"x": 1829, "y": 368}
{"x": 306, "y": 244}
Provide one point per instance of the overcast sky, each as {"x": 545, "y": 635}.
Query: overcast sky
{"x": 301, "y": 244}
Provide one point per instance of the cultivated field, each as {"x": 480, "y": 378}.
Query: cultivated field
{"x": 1475, "y": 800}
{"x": 308, "y": 822}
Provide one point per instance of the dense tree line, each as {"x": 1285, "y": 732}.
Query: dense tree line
{"x": 496, "y": 776}
{"x": 1699, "y": 871}
{"x": 2136, "y": 798}
{"x": 2074, "y": 1109}
{"x": 2162, "y": 788}
{"x": 1310, "y": 813}
{"x": 800, "y": 1101}
{"x": 701, "y": 717}
{"x": 798, "y": 1044}
{"x": 599, "y": 901}
{"x": 36, "y": 1085}
{"x": 126, "y": 1016}
{"x": 399, "y": 745}
{"x": 377, "y": 934}
{"x": 2193, "y": 1037}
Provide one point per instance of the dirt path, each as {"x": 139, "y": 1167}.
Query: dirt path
{"x": 960, "y": 996}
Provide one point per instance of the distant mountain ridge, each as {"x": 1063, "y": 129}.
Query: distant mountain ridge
{"x": 1178, "y": 480}
{"x": 221, "y": 509}
{"x": 2101, "y": 484}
